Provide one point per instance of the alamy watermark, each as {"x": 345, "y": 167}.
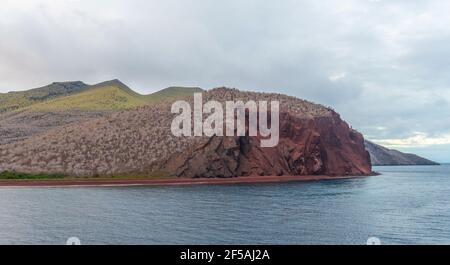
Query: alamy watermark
{"x": 73, "y": 241}
{"x": 214, "y": 123}
{"x": 373, "y": 241}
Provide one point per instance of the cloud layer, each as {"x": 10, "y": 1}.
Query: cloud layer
{"x": 384, "y": 65}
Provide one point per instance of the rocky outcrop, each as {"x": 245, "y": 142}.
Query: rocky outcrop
{"x": 308, "y": 146}
{"x": 382, "y": 156}
{"x": 313, "y": 141}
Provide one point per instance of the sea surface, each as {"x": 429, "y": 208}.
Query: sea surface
{"x": 404, "y": 205}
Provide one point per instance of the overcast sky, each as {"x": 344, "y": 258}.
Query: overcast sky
{"x": 383, "y": 65}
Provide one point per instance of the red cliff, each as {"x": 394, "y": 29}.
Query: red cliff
{"x": 307, "y": 146}
{"x": 313, "y": 141}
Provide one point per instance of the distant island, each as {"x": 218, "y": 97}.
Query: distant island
{"x": 382, "y": 156}
{"x": 107, "y": 130}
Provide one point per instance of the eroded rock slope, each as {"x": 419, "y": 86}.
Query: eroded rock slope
{"x": 313, "y": 141}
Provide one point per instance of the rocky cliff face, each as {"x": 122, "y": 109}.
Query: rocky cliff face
{"x": 313, "y": 141}
{"x": 307, "y": 146}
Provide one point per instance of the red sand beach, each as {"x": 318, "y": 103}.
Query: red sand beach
{"x": 163, "y": 182}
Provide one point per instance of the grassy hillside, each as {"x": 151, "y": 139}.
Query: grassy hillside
{"x": 15, "y": 100}
{"x": 111, "y": 95}
{"x": 106, "y": 96}
{"x": 172, "y": 93}
{"x": 43, "y": 109}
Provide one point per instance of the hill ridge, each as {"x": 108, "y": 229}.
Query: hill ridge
{"x": 93, "y": 101}
{"x": 382, "y": 156}
{"x": 14, "y": 100}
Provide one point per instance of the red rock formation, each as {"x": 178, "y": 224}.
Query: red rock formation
{"x": 313, "y": 141}
{"x": 309, "y": 146}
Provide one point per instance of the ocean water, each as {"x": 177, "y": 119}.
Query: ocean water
{"x": 404, "y": 205}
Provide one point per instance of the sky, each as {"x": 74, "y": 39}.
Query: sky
{"x": 384, "y": 65}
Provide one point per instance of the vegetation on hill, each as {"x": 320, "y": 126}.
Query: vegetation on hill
{"x": 100, "y": 97}
{"x": 14, "y": 175}
{"x": 172, "y": 93}
{"x": 106, "y": 96}
{"x": 59, "y": 104}
{"x": 15, "y": 100}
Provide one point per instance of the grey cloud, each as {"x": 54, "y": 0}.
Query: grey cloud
{"x": 381, "y": 64}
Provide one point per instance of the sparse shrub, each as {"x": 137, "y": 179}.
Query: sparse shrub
{"x": 16, "y": 175}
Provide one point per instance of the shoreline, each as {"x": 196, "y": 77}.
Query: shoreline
{"x": 166, "y": 181}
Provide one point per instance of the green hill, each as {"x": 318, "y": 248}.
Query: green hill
{"x": 110, "y": 95}
{"x": 106, "y": 96}
{"x": 15, "y": 100}
{"x": 36, "y": 111}
{"x": 172, "y": 93}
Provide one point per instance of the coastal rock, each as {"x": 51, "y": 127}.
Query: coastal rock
{"x": 310, "y": 146}
{"x": 138, "y": 142}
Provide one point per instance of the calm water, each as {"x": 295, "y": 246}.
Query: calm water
{"x": 405, "y": 205}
